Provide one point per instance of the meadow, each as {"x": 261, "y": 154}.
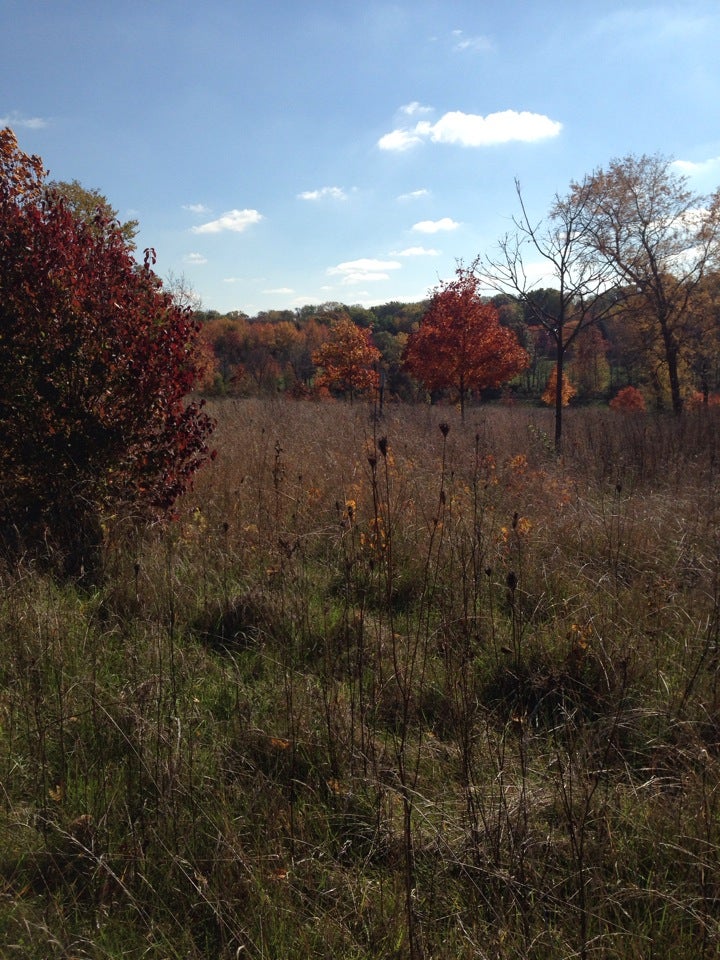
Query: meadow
{"x": 397, "y": 687}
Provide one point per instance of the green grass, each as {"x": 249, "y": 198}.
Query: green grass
{"x": 438, "y": 696}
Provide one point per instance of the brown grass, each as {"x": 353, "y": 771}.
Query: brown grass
{"x": 387, "y": 688}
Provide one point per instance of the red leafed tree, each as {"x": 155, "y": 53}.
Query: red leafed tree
{"x": 96, "y": 361}
{"x": 628, "y": 400}
{"x": 461, "y": 344}
{"x": 348, "y": 360}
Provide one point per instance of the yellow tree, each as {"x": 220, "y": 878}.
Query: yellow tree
{"x": 348, "y": 360}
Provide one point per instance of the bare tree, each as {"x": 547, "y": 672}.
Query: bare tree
{"x": 583, "y": 284}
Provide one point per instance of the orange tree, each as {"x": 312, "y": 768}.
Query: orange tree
{"x": 348, "y": 360}
{"x": 461, "y": 344}
{"x": 550, "y": 394}
{"x": 96, "y": 361}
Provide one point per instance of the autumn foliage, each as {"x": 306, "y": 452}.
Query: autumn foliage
{"x": 461, "y": 344}
{"x": 348, "y": 360}
{"x": 96, "y": 360}
{"x": 628, "y": 400}
{"x": 550, "y": 393}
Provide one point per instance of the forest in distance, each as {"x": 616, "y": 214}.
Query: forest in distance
{"x": 271, "y": 351}
{"x": 629, "y": 313}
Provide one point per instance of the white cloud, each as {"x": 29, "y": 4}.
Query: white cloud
{"x": 234, "y": 220}
{"x": 474, "y": 130}
{"x": 690, "y": 168}
{"x": 364, "y": 270}
{"x": 280, "y": 290}
{"x": 411, "y": 109}
{"x": 332, "y": 193}
{"x": 414, "y": 195}
{"x": 436, "y": 226}
{"x": 417, "y": 252}
{"x": 196, "y": 207}
{"x": 195, "y": 258}
{"x": 16, "y": 119}
{"x": 399, "y": 140}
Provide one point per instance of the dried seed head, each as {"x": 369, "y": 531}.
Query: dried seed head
{"x": 383, "y": 445}
{"x": 444, "y": 428}
{"x": 511, "y": 580}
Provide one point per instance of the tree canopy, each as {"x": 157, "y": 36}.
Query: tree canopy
{"x": 348, "y": 359}
{"x": 640, "y": 219}
{"x": 461, "y": 344}
{"x": 96, "y": 361}
{"x": 92, "y": 206}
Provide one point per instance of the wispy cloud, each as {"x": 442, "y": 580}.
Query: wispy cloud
{"x": 474, "y": 130}
{"x": 415, "y": 108}
{"x": 324, "y": 193}
{"x": 477, "y": 44}
{"x": 648, "y": 25}
{"x": 16, "y": 119}
{"x": 236, "y": 221}
{"x": 196, "y": 259}
{"x": 436, "y": 226}
{"x": 196, "y": 207}
{"x": 279, "y": 290}
{"x": 363, "y": 270}
{"x": 400, "y": 140}
{"x": 414, "y": 195}
{"x": 417, "y": 252}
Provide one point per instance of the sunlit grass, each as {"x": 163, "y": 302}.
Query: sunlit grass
{"x": 399, "y": 687}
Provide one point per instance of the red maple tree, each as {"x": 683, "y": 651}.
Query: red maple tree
{"x": 96, "y": 361}
{"x": 461, "y": 344}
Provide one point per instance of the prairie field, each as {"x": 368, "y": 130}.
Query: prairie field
{"x": 386, "y": 687}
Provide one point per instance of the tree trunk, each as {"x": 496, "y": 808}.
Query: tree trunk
{"x": 559, "y": 367}
{"x": 672, "y": 357}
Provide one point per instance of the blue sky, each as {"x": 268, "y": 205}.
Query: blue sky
{"x": 279, "y": 153}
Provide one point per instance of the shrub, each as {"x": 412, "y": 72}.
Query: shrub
{"x": 95, "y": 362}
{"x": 699, "y": 400}
{"x": 628, "y": 400}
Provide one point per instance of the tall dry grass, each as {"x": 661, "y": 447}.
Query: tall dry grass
{"x": 397, "y": 687}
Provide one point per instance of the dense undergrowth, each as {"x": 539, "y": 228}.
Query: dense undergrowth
{"x": 386, "y": 688}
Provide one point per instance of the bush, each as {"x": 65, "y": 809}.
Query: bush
{"x": 95, "y": 362}
{"x": 628, "y": 400}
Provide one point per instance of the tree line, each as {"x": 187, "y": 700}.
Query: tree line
{"x": 630, "y": 259}
{"x": 273, "y": 351}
